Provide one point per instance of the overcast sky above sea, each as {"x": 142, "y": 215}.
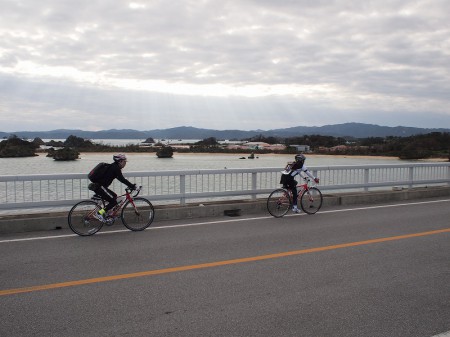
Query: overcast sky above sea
{"x": 242, "y": 64}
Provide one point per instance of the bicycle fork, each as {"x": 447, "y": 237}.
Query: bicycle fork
{"x": 310, "y": 196}
{"x": 134, "y": 206}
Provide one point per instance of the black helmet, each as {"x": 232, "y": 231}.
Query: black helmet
{"x": 300, "y": 158}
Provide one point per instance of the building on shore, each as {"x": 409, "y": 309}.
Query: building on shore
{"x": 302, "y": 148}
{"x": 256, "y": 146}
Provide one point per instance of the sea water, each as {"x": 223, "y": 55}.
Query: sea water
{"x": 181, "y": 161}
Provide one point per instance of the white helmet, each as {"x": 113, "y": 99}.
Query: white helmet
{"x": 120, "y": 156}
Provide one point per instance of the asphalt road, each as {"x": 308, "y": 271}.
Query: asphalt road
{"x": 371, "y": 271}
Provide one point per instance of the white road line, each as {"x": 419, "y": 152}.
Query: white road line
{"x": 228, "y": 221}
{"x": 444, "y": 334}
{"x": 385, "y": 206}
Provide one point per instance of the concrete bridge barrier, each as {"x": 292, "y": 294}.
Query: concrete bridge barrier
{"x": 49, "y": 221}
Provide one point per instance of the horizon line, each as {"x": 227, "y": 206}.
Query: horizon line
{"x": 253, "y": 130}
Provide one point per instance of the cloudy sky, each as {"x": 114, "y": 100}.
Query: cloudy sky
{"x": 219, "y": 64}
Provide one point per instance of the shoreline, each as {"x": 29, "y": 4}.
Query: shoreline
{"x": 442, "y": 159}
{"x": 139, "y": 161}
{"x": 238, "y": 155}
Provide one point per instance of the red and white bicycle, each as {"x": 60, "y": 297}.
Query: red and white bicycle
{"x": 136, "y": 213}
{"x": 310, "y": 199}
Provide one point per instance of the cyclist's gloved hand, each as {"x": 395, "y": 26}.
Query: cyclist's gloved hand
{"x": 134, "y": 187}
{"x": 316, "y": 180}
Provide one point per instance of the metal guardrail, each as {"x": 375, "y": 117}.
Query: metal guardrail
{"x": 50, "y": 190}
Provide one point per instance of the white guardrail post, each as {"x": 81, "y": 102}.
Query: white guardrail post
{"x": 366, "y": 179}
{"x": 411, "y": 177}
{"x": 183, "y": 189}
{"x": 448, "y": 175}
{"x": 254, "y": 184}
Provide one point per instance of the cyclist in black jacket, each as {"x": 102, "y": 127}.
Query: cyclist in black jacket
{"x": 114, "y": 171}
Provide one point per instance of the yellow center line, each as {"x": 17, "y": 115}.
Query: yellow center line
{"x": 216, "y": 264}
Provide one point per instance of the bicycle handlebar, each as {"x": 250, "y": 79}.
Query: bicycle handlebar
{"x": 309, "y": 180}
{"x": 137, "y": 190}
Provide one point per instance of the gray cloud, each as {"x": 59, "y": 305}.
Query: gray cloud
{"x": 224, "y": 64}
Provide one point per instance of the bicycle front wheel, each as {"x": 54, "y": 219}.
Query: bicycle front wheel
{"x": 138, "y": 215}
{"x": 81, "y": 218}
{"x": 311, "y": 200}
{"x": 279, "y": 203}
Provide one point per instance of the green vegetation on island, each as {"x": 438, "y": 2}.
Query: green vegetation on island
{"x": 432, "y": 145}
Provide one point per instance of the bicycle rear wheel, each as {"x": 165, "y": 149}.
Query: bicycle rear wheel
{"x": 139, "y": 216}
{"x": 81, "y": 218}
{"x": 311, "y": 200}
{"x": 279, "y": 203}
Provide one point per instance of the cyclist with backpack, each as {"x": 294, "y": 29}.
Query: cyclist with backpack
{"x": 287, "y": 177}
{"x": 102, "y": 176}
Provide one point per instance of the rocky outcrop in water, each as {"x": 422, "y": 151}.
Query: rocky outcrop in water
{"x": 63, "y": 154}
{"x": 14, "y": 147}
{"x": 165, "y": 152}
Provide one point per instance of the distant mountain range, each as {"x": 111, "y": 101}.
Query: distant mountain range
{"x": 355, "y": 130}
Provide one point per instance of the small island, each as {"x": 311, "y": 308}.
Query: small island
{"x": 14, "y": 147}
{"x": 149, "y": 140}
{"x": 164, "y": 152}
{"x": 64, "y": 154}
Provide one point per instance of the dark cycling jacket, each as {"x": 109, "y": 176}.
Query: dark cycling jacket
{"x": 113, "y": 172}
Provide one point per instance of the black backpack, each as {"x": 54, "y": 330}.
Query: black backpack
{"x": 289, "y": 168}
{"x": 98, "y": 171}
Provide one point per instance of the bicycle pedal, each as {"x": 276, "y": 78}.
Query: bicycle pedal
{"x": 109, "y": 221}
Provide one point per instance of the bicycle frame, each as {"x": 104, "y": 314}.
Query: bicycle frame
{"x": 115, "y": 211}
{"x": 302, "y": 187}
